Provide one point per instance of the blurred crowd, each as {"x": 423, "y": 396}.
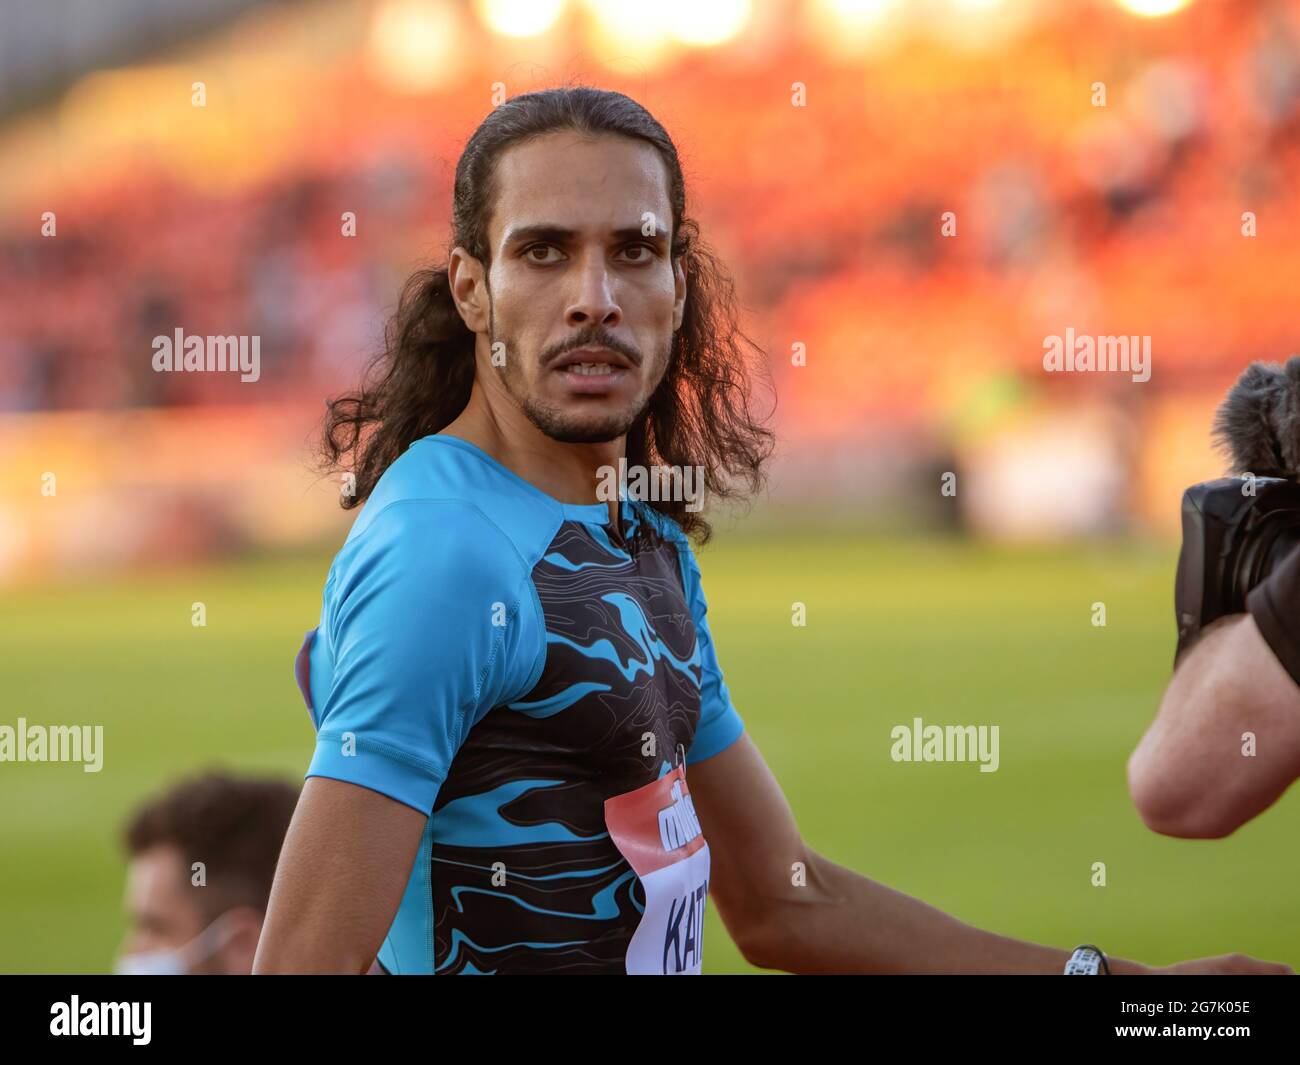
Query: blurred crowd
{"x": 1093, "y": 183}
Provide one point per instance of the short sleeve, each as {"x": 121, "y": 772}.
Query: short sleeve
{"x": 431, "y": 620}
{"x": 720, "y": 725}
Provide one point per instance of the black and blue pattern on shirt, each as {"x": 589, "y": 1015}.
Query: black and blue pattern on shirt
{"x": 524, "y": 800}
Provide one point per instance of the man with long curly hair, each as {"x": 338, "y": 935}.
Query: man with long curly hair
{"x": 512, "y": 677}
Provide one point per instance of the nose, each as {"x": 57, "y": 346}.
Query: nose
{"x": 593, "y": 302}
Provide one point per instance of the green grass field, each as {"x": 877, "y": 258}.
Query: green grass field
{"x": 950, "y": 632}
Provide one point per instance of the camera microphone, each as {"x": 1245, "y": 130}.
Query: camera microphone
{"x": 1258, "y": 423}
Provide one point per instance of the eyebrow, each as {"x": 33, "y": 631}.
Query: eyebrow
{"x": 551, "y": 233}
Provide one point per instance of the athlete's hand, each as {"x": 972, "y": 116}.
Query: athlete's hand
{"x": 1225, "y": 965}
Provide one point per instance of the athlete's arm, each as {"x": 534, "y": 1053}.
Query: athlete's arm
{"x": 837, "y": 921}
{"x": 1196, "y": 773}
{"x": 344, "y": 865}
{"x": 417, "y": 652}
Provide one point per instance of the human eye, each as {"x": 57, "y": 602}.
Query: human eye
{"x": 644, "y": 253}
{"x": 540, "y": 254}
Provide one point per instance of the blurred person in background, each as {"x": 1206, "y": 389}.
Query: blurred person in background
{"x": 187, "y": 918}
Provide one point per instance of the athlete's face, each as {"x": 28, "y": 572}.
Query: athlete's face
{"x": 167, "y": 930}
{"x": 581, "y": 274}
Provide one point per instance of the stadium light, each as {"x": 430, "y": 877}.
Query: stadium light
{"x": 414, "y": 46}
{"x": 859, "y": 13}
{"x": 631, "y": 29}
{"x": 520, "y": 18}
{"x": 849, "y": 29}
{"x": 1152, "y": 8}
{"x": 692, "y": 22}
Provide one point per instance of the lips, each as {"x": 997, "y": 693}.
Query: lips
{"x": 591, "y": 361}
{"x": 593, "y": 371}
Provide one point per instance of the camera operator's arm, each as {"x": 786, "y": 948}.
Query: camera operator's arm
{"x": 1192, "y": 775}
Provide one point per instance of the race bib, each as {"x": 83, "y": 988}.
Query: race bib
{"x": 656, "y": 830}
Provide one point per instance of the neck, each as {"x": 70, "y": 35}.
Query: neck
{"x": 494, "y": 422}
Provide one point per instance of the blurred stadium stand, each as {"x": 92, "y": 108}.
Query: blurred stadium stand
{"x": 924, "y": 353}
{"x": 45, "y": 46}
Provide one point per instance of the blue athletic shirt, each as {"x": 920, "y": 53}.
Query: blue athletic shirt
{"x": 506, "y": 662}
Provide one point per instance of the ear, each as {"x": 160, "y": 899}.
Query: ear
{"x": 245, "y": 929}
{"x": 679, "y": 289}
{"x": 468, "y": 289}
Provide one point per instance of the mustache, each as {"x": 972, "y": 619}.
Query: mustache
{"x": 592, "y": 338}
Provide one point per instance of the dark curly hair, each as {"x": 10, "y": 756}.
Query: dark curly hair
{"x": 234, "y": 825}
{"x": 700, "y": 415}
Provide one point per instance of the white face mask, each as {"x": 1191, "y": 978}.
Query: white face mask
{"x": 179, "y": 960}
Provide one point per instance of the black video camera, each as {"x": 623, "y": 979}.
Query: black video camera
{"x": 1236, "y": 530}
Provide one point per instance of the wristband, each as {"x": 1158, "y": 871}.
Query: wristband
{"x": 1087, "y": 960}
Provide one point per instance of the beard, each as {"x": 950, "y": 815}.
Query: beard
{"x": 569, "y": 427}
